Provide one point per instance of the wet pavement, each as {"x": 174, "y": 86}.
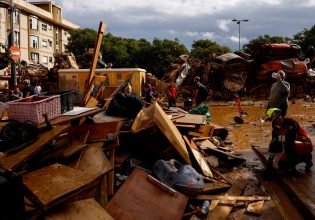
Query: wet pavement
{"x": 253, "y": 131}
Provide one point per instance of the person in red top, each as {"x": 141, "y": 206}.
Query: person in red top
{"x": 290, "y": 140}
{"x": 171, "y": 95}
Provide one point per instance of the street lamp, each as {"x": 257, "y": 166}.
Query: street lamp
{"x": 10, "y": 7}
{"x": 239, "y": 30}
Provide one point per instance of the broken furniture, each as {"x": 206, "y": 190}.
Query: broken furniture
{"x": 52, "y": 185}
{"x": 144, "y": 197}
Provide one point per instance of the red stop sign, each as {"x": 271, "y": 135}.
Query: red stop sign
{"x": 15, "y": 53}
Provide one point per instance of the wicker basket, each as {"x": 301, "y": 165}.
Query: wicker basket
{"x": 33, "y": 108}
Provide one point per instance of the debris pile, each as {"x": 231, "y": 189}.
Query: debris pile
{"x": 163, "y": 164}
{"x": 33, "y": 71}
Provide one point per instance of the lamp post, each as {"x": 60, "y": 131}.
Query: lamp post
{"x": 10, "y": 7}
{"x": 239, "y": 30}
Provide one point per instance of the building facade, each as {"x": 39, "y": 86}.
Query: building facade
{"x": 39, "y": 29}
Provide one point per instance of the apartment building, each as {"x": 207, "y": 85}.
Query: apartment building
{"x": 39, "y": 29}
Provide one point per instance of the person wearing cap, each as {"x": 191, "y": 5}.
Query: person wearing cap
{"x": 201, "y": 92}
{"x": 290, "y": 140}
{"x": 148, "y": 90}
{"x": 279, "y": 93}
{"x": 27, "y": 89}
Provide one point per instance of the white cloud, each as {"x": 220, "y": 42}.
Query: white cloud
{"x": 223, "y": 25}
{"x": 190, "y": 20}
{"x": 192, "y": 34}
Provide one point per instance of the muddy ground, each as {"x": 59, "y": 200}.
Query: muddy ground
{"x": 254, "y": 132}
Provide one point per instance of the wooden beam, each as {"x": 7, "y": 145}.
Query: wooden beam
{"x": 222, "y": 212}
{"x": 98, "y": 44}
{"x": 101, "y": 30}
{"x": 199, "y": 158}
{"x": 231, "y": 198}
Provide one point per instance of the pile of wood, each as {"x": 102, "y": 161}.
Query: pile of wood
{"x": 65, "y": 60}
{"x": 102, "y": 169}
{"x": 33, "y": 72}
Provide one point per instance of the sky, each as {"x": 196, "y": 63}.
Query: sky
{"x": 191, "y": 20}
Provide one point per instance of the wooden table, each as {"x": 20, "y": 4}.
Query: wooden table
{"x": 66, "y": 119}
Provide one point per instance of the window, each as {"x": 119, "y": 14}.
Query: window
{"x": 44, "y": 27}
{"x": 16, "y": 37}
{"x": 35, "y": 57}
{"x": 50, "y": 60}
{"x": 34, "y": 41}
{"x": 65, "y": 33}
{"x": 33, "y": 23}
{"x": 44, "y": 43}
{"x": 49, "y": 27}
{"x": 50, "y": 43}
{"x": 57, "y": 36}
{"x": 16, "y": 17}
{"x": 45, "y": 59}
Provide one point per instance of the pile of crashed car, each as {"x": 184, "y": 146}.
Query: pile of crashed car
{"x": 245, "y": 74}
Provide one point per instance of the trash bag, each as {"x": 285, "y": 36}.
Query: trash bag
{"x": 15, "y": 136}
{"x": 183, "y": 178}
{"x": 202, "y": 109}
{"x": 125, "y": 105}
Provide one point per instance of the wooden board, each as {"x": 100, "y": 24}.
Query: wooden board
{"x": 138, "y": 198}
{"x": 18, "y": 159}
{"x": 191, "y": 119}
{"x": 97, "y": 131}
{"x": 54, "y": 184}
{"x": 67, "y": 119}
{"x": 199, "y": 158}
{"x": 214, "y": 187}
{"x": 222, "y": 212}
{"x": 231, "y": 198}
{"x": 87, "y": 209}
{"x": 155, "y": 114}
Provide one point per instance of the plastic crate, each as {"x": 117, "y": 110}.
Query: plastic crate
{"x": 33, "y": 108}
{"x": 66, "y": 100}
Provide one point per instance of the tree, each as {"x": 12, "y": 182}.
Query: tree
{"x": 80, "y": 40}
{"x": 163, "y": 53}
{"x": 203, "y": 48}
{"x": 305, "y": 38}
{"x": 255, "y": 43}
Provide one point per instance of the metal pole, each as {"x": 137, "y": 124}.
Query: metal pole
{"x": 12, "y": 82}
{"x": 239, "y": 36}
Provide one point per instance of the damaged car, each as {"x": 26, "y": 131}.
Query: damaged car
{"x": 271, "y": 58}
{"x": 229, "y": 71}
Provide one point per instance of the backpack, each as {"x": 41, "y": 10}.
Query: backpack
{"x": 14, "y": 136}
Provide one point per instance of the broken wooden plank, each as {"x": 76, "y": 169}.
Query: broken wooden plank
{"x": 76, "y": 145}
{"x": 98, "y": 132}
{"x": 111, "y": 174}
{"x": 138, "y": 198}
{"x": 214, "y": 187}
{"x": 14, "y": 161}
{"x": 191, "y": 119}
{"x": 231, "y": 198}
{"x": 155, "y": 114}
{"x": 94, "y": 162}
{"x": 222, "y": 212}
{"x": 185, "y": 126}
{"x": 255, "y": 207}
{"x": 199, "y": 158}
{"x": 54, "y": 184}
{"x": 86, "y": 209}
